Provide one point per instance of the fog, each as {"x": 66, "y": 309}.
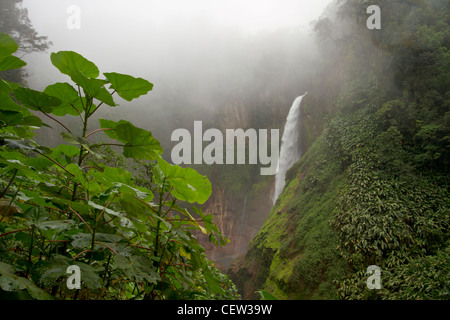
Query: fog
{"x": 165, "y": 39}
{"x": 201, "y": 55}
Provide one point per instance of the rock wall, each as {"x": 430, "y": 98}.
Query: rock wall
{"x": 238, "y": 218}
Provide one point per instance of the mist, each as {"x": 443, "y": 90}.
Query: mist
{"x": 202, "y": 56}
{"x": 232, "y": 65}
{"x": 167, "y": 41}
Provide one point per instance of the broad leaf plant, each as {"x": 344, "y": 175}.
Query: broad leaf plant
{"x": 63, "y": 206}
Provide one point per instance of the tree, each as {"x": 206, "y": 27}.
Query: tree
{"x": 14, "y": 21}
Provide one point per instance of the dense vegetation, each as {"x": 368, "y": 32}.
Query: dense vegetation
{"x": 373, "y": 188}
{"x": 76, "y": 205}
{"x": 394, "y": 147}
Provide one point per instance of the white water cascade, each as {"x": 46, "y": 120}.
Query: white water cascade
{"x": 290, "y": 146}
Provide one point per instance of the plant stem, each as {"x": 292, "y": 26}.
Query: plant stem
{"x": 55, "y": 162}
{"x": 106, "y": 269}
{"x": 4, "y": 234}
{"x": 101, "y": 104}
{"x": 158, "y": 223}
{"x": 81, "y": 155}
{"x": 56, "y": 120}
{"x": 98, "y": 130}
{"x": 9, "y": 184}
{"x": 92, "y": 246}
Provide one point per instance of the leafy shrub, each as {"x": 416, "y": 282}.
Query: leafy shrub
{"x": 389, "y": 214}
{"x": 68, "y": 205}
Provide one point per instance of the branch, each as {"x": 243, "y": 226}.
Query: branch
{"x": 167, "y": 196}
{"x": 87, "y": 250}
{"x": 105, "y": 129}
{"x": 4, "y": 234}
{"x": 51, "y": 208}
{"x": 81, "y": 219}
{"x": 98, "y": 242}
{"x": 186, "y": 220}
{"x": 106, "y": 222}
{"x": 78, "y": 111}
{"x": 101, "y": 104}
{"x": 55, "y": 163}
{"x": 9, "y": 184}
{"x": 46, "y": 114}
{"x": 147, "y": 205}
{"x": 101, "y": 213}
{"x": 141, "y": 247}
{"x": 111, "y": 144}
{"x": 94, "y": 167}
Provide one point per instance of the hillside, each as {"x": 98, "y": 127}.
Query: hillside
{"x": 373, "y": 185}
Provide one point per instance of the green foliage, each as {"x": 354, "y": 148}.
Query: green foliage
{"x": 389, "y": 214}
{"x": 77, "y": 204}
{"x": 379, "y": 171}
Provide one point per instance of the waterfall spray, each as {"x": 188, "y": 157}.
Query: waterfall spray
{"x": 290, "y": 146}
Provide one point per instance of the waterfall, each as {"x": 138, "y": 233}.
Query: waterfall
{"x": 290, "y": 146}
{"x": 244, "y": 209}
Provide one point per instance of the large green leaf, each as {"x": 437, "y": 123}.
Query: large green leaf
{"x": 11, "y": 62}
{"x": 106, "y": 210}
{"x": 68, "y": 96}
{"x": 36, "y": 100}
{"x": 74, "y": 139}
{"x": 104, "y": 96}
{"x": 213, "y": 282}
{"x": 91, "y": 87}
{"x": 84, "y": 73}
{"x": 78, "y": 174}
{"x": 7, "y": 45}
{"x": 188, "y": 184}
{"x": 6, "y": 103}
{"x": 4, "y": 87}
{"x": 84, "y": 240}
{"x": 128, "y": 87}
{"x": 137, "y": 268}
{"x": 68, "y": 150}
{"x": 48, "y": 272}
{"x": 139, "y": 143}
{"x": 15, "y": 118}
{"x": 11, "y": 282}
{"x": 80, "y": 208}
{"x": 59, "y": 225}
{"x": 109, "y": 176}
{"x": 72, "y": 64}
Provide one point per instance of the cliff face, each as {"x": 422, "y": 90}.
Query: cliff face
{"x": 239, "y": 214}
{"x": 241, "y": 197}
{"x": 293, "y": 255}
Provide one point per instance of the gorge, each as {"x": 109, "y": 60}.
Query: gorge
{"x": 361, "y": 179}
